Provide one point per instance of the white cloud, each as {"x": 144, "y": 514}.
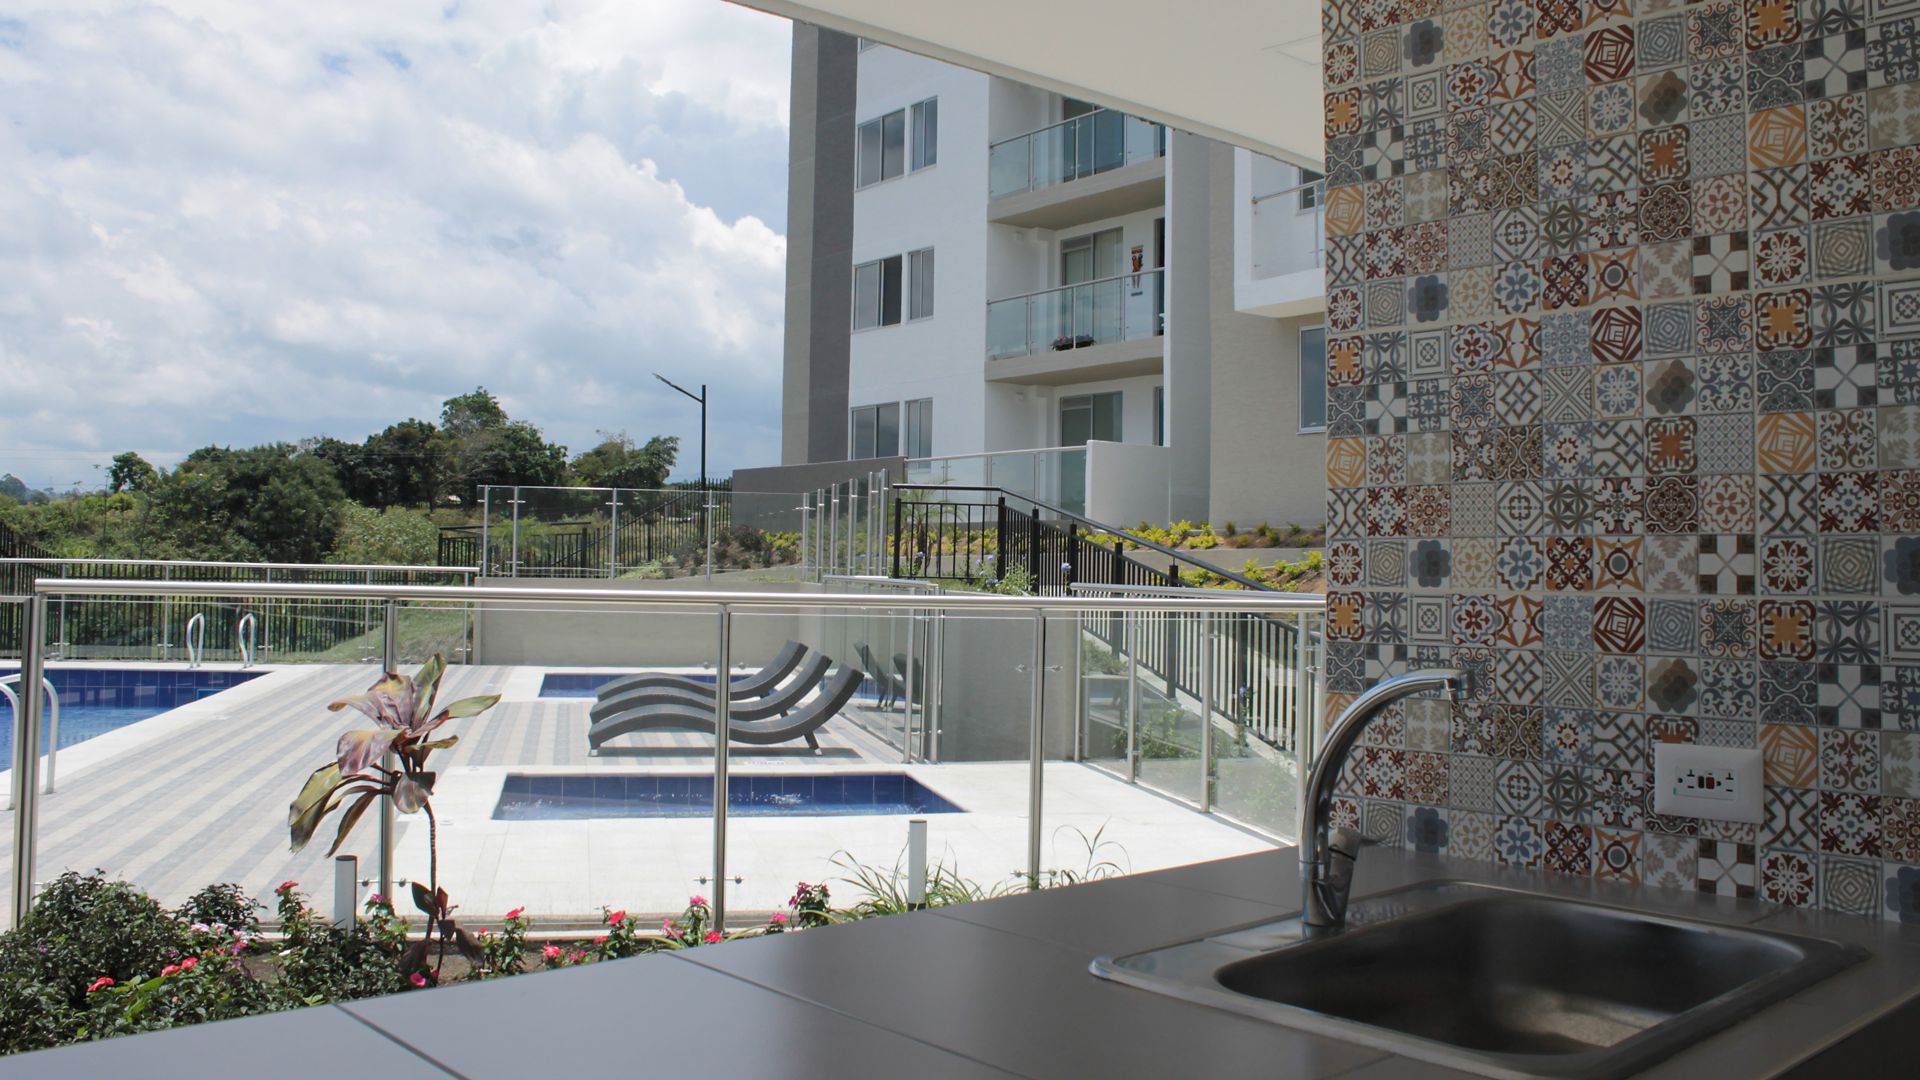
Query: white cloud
{"x": 228, "y": 221}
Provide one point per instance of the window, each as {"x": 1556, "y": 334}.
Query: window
{"x": 1086, "y": 417}
{"x": 881, "y": 144}
{"x": 876, "y": 293}
{"x": 926, "y": 134}
{"x": 920, "y": 284}
{"x": 866, "y": 43}
{"x": 1159, "y": 416}
{"x": 876, "y": 430}
{"x": 1309, "y": 195}
{"x": 919, "y": 428}
{"x": 1313, "y": 379}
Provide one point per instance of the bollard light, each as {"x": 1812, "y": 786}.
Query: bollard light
{"x": 346, "y": 890}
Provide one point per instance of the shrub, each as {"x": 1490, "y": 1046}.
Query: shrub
{"x": 223, "y": 905}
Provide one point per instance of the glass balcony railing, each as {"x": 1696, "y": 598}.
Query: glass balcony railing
{"x": 1056, "y": 475}
{"x": 1124, "y": 308}
{"x": 1289, "y": 230}
{"x": 1070, "y": 150}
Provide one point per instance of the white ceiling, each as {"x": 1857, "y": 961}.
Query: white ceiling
{"x": 1244, "y": 71}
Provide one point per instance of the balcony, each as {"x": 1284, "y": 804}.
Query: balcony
{"x": 1099, "y": 165}
{"x": 1280, "y": 270}
{"x": 1105, "y": 329}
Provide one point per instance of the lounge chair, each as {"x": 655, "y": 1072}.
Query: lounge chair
{"x": 889, "y": 686}
{"x": 801, "y": 723}
{"x": 777, "y": 701}
{"x": 919, "y": 683}
{"x": 754, "y": 685}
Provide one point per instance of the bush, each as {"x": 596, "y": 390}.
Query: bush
{"x": 224, "y": 905}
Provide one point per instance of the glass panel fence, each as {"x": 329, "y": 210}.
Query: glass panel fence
{"x": 627, "y": 533}
{"x": 586, "y": 776}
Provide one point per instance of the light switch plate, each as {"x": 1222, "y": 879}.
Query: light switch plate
{"x": 1719, "y": 782}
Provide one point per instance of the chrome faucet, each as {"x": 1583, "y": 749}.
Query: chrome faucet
{"x": 1327, "y": 855}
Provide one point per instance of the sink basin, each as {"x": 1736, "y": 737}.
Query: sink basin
{"x": 1492, "y": 980}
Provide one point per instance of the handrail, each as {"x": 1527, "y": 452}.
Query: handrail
{"x": 355, "y": 567}
{"x": 1192, "y": 600}
{"x": 1083, "y": 520}
{"x": 53, "y": 718}
{"x": 1153, "y": 590}
{"x": 1065, "y": 122}
{"x": 197, "y": 637}
{"x": 1077, "y": 285}
{"x": 1320, "y": 183}
{"x": 998, "y": 453}
{"x": 243, "y": 632}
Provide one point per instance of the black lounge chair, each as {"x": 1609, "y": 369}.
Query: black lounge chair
{"x": 801, "y": 723}
{"x": 754, "y": 685}
{"x": 918, "y": 692}
{"x": 779, "y": 700}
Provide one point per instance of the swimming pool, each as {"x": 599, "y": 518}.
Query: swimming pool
{"x": 534, "y": 797}
{"x": 94, "y": 701}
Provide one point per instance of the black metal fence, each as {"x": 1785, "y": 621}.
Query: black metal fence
{"x": 1256, "y": 659}
{"x": 587, "y": 532}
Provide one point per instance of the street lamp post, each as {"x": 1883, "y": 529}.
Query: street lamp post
{"x": 701, "y": 397}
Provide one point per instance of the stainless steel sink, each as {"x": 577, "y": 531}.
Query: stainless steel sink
{"x": 1492, "y": 980}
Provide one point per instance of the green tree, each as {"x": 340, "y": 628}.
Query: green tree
{"x": 467, "y": 414}
{"x": 618, "y": 462}
{"x": 515, "y": 453}
{"x": 408, "y": 464}
{"x": 131, "y": 472}
{"x": 392, "y": 537}
{"x": 269, "y": 502}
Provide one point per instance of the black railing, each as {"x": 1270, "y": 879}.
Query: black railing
{"x": 650, "y": 531}
{"x": 1017, "y": 538}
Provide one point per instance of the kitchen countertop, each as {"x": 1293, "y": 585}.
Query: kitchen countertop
{"x": 992, "y": 989}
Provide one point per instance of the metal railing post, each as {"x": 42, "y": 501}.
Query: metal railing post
{"x": 1130, "y": 633}
{"x": 1036, "y": 748}
{"x": 390, "y": 657}
{"x": 709, "y": 515}
{"x": 1206, "y": 712}
{"x": 722, "y": 710}
{"x": 346, "y": 890}
{"x": 913, "y": 640}
{"x": 831, "y": 565}
{"x": 26, "y": 754}
{"x": 613, "y": 535}
{"x": 486, "y": 516}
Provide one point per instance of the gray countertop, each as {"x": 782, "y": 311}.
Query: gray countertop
{"x": 994, "y": 989}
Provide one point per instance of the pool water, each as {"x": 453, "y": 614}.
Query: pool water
{"x": 94, "y": 701}
{"x": 530, "y": 797}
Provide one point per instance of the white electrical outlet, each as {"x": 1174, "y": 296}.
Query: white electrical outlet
{"x": 1717, "y": 782}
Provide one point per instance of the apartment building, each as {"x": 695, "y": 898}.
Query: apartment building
{"x": 1006, "y": 285}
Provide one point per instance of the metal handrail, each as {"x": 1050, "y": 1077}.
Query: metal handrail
{"x": 995, "y": 454}
{"x": 1144, "y": 271}
{"x": 243, "y": 632}
{"x": 976, "y": 603}
{"x": 470, "y": 571}
{"x": 53, "y": 719}
{"x": 1129, "y": 538}
{"x": 196, "y": 637}
{"x": 1321, "y": 184}
{"x": 1063, "y": 123}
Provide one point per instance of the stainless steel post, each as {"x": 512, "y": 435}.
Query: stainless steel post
{"x": 166, "y": 617}
{"x": 486, "y": 514}
{"x": 390, "y": 656}
{"x": 346, "y": 890}
{"x": 722, "y": 708}
{"x": 513, "y": 564}
{"x": 1302, "y": 707}
{"x": 709, "y": 515}
{"x": 916, "y": 863}
{"x": 1079, "y": 687}
{"x": 1036, "y": 747}
{"x": 833, "y": 530}
{"x": 913, "y": 639}
{"x": 26, "y": 753}
{"x": 1131, "y": 637}
{"x": 613, "y": 535}
{"x": 1206, "y": 711}
{"x": 935, "y": 687}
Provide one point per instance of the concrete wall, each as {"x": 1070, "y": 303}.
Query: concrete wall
{"x": 1188, "y": 365}
{"x": 819, "y": 313}
{"x": 1127, "y": 483}
{"x": 589, "y": 635}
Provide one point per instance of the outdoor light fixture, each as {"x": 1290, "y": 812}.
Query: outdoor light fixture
{"x": 701, "y": 397}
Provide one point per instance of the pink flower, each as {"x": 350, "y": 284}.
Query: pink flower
{"x": 285, "y": 887}
{"x": 779, "y": 917}
{"x": 100, "y": 983}
{"x": 696, "y": 900}
{"x": 189, "y": 963}
{"x": 550, "y": 952}
{"x": 713, "y": 937}
{"x": 579, "y": 956}
{"x": 515, "y": 913}
{"x": 617, "y": 917}
{"x": 377, "y": 898}
{"x": 169, "y": 970}
{"x": 601, "y": 940}
{"x": 666, "y": 926}
{"x": 417, "y": 979}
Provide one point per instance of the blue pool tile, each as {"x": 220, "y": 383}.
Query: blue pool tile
{"x": 889, "y": 789}
{"x": 525, "y": 797}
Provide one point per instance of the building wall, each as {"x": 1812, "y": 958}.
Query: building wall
{"x": 813, "y": 398}
{"x": 1624, "y": 423}
{"x": 1264, "y": 468}
{"x": 942, "y": 207}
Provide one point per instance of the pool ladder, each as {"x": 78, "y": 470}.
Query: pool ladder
{"x": 243, "y": 633}
{"x": 7, "y": 685}
{"x": 196, "y": 639}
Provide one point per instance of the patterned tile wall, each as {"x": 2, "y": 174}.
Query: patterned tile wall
{"x": 1624, "y": 417}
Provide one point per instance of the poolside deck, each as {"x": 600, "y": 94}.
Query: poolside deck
{"x": 199, "y": 795}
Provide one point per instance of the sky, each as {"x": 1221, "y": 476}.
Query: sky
{"x": 242, "y": 221}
